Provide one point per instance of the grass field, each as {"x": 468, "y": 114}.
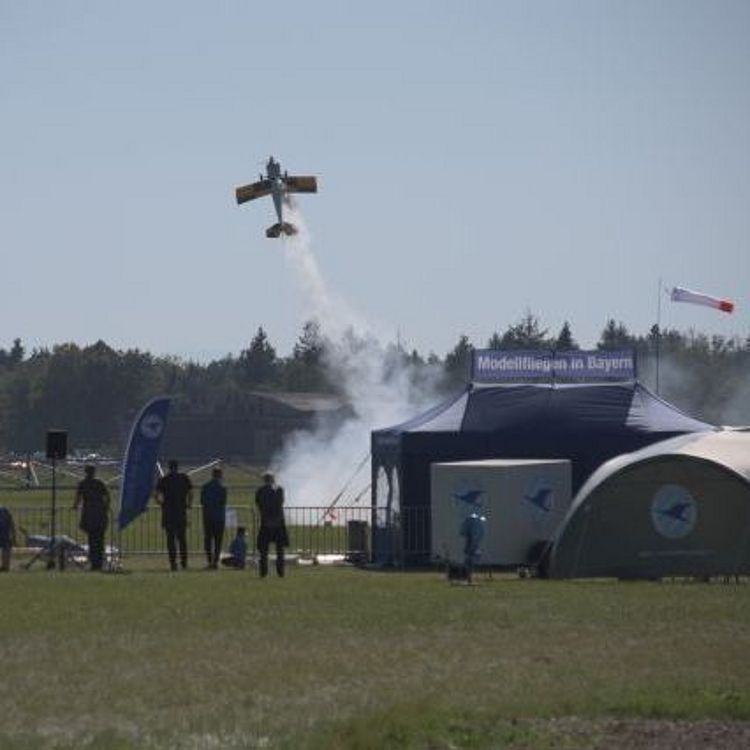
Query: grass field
{"x": 345, "y": 658}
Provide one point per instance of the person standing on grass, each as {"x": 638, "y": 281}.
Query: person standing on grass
{"x": 269, "y": 500}
{"x": 174, "y": 493}
{"x": 7, "y": 538}
{"x": 472, "y": 529}
{"x": 214, "y": 504}
{"x": 93, "y": 495}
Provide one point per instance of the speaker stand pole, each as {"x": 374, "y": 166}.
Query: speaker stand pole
{"x": 53, "y": 525}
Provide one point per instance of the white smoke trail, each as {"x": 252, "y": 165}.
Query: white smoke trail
{"x": 380, "y": 389}
{"x": 721, "y": 404}
{"x": 331, "y": 312}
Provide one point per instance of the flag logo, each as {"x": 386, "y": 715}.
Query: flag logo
{"x": 152, "y": 426}
{"x": 139, "y": 462}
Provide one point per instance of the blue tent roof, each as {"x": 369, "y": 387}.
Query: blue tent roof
{"x": 627, "y": 407}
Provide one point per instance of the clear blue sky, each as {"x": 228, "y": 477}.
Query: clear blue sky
{"x": 475, "y": 159}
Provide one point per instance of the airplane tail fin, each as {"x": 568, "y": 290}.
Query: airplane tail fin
{"x": 282, "y": 227}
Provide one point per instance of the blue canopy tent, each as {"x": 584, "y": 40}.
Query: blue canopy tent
{"x": 585, "y": 423}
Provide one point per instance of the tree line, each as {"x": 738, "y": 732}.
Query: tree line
{"x": 95, "y": 391}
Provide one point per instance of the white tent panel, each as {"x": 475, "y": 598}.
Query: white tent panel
{"x": 523, "y": 500}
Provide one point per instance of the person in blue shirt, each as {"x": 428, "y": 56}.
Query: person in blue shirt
{"x": 7, "y": 538}
{"x": 214, "y": 504}
{"x": 237, "y": 551}
{"x": 472, "y": 529}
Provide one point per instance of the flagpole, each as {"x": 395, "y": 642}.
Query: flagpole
{"x": 658, "y": 333}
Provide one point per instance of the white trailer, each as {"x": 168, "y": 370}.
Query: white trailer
{"x": 523, "y": 500}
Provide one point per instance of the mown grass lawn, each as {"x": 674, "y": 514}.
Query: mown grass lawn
{"x": 339, "y": 657}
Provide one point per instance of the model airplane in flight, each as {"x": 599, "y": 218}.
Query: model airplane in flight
{"x": 278, "y": 186}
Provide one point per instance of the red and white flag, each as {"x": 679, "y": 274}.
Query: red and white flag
{"x": 678, "y": 294}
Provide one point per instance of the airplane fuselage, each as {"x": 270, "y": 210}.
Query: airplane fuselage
{"x": 278, "y": 190}
{"x": 278, "y": 187}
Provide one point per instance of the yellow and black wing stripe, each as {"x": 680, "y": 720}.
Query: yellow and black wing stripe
{"x": 301, "y": 184}
{"x": 251, "y": 192}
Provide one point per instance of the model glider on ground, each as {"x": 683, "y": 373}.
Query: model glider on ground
{"x": 278, "y": 186}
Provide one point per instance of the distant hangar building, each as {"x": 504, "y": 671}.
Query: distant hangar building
{"x": 249, "y": 426}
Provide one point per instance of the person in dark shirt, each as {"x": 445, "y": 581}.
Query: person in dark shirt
{"x": 93, "y": 495}
{"x": 269, "y": 500}
{"x": 7, "y": 538}
{"x": 174, "y": 492}
{"x": 214, "y": 503}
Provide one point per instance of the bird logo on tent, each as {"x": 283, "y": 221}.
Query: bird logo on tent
{"x": 539, "y": 500}
{"x": 542, "y": 499}
{"x": 673, "y": 511}
{"x": 678, "y": 511}
{"x": 470, "y": 497}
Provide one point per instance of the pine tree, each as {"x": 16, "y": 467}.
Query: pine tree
{"x": 615, "y": 336}
{"x": 526, "y": 334}
{"x": 258, "y": 362}
{"x": 16, "y": 353}
{"x": 458, "y": 360}
{"x": 565, "y": 341}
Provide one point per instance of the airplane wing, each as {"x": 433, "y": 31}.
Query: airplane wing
{"x": 251, "y": 192}
{"x": 301, "y": 184}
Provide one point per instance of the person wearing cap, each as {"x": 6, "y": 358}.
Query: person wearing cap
{"x": 269, "y": 499}
{"x": 214, "y": 504}
{"x": 93, "y": 495}
{"x": 174, "y": 493}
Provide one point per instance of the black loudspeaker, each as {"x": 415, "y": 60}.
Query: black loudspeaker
{"x": 57, "y": 444}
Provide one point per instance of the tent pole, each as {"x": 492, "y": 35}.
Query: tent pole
{"x": 554, "y": 371}
{"x": 658, "y": 333}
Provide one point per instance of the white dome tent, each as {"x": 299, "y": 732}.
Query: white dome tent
{"x": 679, "y": 507}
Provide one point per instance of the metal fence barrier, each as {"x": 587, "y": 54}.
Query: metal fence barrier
{"x": 313, "y": 531}
{"x": 401, "y": 539}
